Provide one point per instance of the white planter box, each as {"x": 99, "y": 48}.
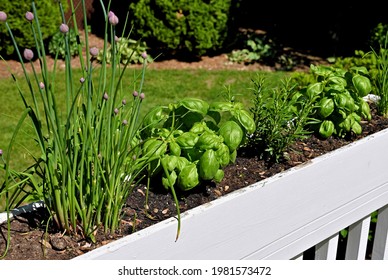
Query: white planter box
{"x": 277, "y": 218}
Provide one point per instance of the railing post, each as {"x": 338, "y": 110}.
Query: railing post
{"x": 358, "y": 239}
{"x": 380, "y": 248}
{"x": 327, "y": 249}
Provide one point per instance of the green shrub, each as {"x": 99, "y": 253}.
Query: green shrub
{"x": 183, "y": 25}
{"x": 50, "y": 19}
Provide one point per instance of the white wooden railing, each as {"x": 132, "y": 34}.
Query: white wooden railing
{"x": 366, "y": 240}
{"x": 292, "y": 215}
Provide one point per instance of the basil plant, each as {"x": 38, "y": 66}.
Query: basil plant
{"x": 340, "y": 104}
{"x": 191, "y": 141}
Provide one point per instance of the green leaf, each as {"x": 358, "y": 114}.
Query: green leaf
{"x": 356, "y": 128}
{"x": 199, "y": 128}
{"x": 174, "y": 148}
{"x": 168, "y": 184}
{"x": 188, "y": 177}
{"x": 208, "y": 165}
{"x": 233, "y": 156}
{"x": 314, "y": 89}
{"x": 209, "y": 140}
{"x": 362, "y": 85}
{"x": 320, "y": 70}
{"x": 326, "y": 128}
{"x": 335, "y": 80}
{"x": 223, "y": 155}
{"x": 221, "y": 106}
{"x": 187, "y": 140}
{"x": 219, "y": 176}
{"x": 326, "y": 107}
{"x": 364, "y": 109}
{"x": 195, "y": 105}
{"x": 232, "y": 134}
{"x": 245, "y": 120}
{"x": 170, "y": 162}
{"x": 154, "y": 118}
{"x": 360, "y": 70}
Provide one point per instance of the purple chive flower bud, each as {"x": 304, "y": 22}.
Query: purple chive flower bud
{"x": 116, "y": 111}
{"x": 110, "y": 14}
{"x": 41, "y": 85}
{"x": 124, "y": 102}
{"x": 93, "y": 51}
{"x": 3, "y": 16}
{"x": 29, "y": 16}
{"x": 106, "y": 97}
{"x": 142, "y": 96}
{"x": 113, "y": 19}
{"x": 135, "y": 94}
{"x": 64, "y": 28}
{"x": 28, "y": 54}
{"x": 144, "y": 55}
{"x": 1, "y": 152}
{"x": 82, "y": 80}
{"x": 125, "y": 122}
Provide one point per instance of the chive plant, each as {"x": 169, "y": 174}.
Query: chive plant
{"x": 381, "y": 80}
{"x": 89, "y": 159}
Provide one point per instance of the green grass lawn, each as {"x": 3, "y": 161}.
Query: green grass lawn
{"x": 161, "y": 88}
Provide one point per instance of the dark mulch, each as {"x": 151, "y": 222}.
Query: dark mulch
{"x": 30, "y": 241}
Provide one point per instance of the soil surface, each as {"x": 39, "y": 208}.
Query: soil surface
{"x": 30, "y": 241}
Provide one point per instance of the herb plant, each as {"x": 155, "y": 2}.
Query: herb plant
{"x": 381, "y": 78}
{"x": 89, "y": 157}
{"x": 340, "y": 103}
{"x": 191, "y": 141}
{"x": 281, "y": 115}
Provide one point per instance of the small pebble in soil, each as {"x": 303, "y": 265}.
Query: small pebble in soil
{"x": 58, "y": 242}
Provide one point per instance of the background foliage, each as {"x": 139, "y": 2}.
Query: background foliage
{"x": 50, "y": 19}
{"x": 195, "y": 26}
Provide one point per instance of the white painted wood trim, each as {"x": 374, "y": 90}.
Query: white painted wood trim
{"x": 276, "y": 218}
{"x": 358, "y": 239}
{"x": 298, "y": 257}
{"x": 327, "y": 249}
{"x": 380, "y": 248}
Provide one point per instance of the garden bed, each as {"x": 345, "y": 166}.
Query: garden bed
{"x": 29, "y": 241}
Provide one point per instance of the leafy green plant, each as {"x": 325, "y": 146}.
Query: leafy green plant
{"x": 191, "y": 141}
{"x": 57, "y": 44}
{"x": 258, "y": 48}
{"x": 50, "y": 18}
{"x": 127, "y": 50}
{"x": 281, "y": 115}
{"x": 360, "y": 59}
{"x": 89, "y": 158}
{"x": 194, "y": 27}
{"x": 381, "y": 78}
{"x": 340, "y": 103}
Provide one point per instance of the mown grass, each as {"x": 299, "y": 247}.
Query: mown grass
{"x": 161, "y": 88}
